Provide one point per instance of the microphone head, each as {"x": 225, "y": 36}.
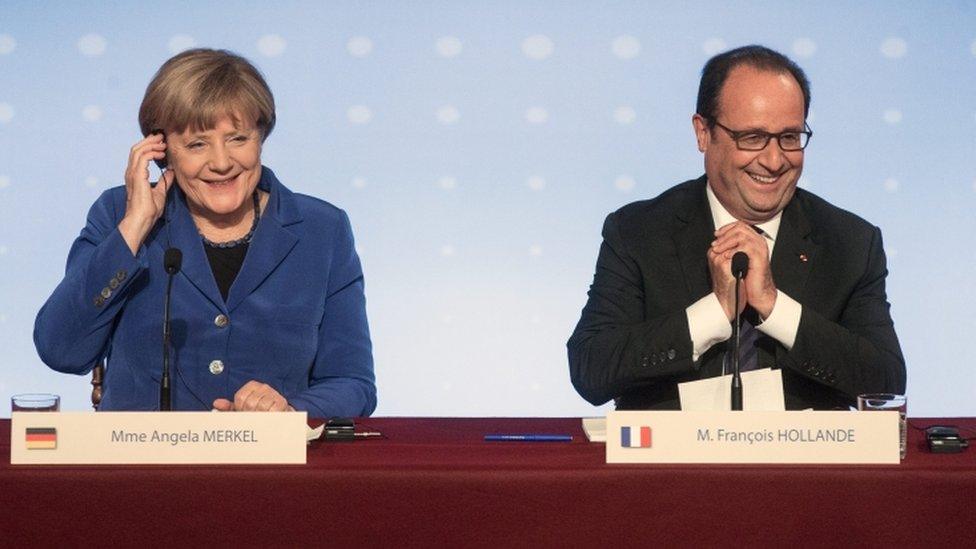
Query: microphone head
{"x": 172, "y": 260}
{"x": 740, "y": 264}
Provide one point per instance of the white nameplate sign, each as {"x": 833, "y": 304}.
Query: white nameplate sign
{"x": 157, "y": 437}
{"x": 752, "y": 437}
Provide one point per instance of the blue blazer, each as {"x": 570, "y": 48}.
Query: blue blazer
{"x": 295, "y": 316}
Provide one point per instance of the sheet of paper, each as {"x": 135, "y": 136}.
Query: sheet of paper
{"x": 761, "y": 390}
{"x": 595, "y": 428}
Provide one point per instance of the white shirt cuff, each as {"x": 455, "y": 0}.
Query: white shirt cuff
{"x": 784, "y": 321}
{"x": 707, "y": 324}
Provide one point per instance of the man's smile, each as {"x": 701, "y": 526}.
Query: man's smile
{"x": 764, "y": 179}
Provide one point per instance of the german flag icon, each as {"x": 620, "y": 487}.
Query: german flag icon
{"x": 41, "y": 438}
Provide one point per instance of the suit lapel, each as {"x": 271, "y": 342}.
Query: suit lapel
{"x": 183, "y": 234}
{"x": 692, "y": 241}
{"x": 276, "y": 235}
{"x": 795, "y": 251}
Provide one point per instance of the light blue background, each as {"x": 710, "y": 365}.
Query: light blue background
{"x": 478, "y": 227}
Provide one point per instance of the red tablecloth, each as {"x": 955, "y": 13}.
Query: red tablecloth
{"x": 435, "y": 482}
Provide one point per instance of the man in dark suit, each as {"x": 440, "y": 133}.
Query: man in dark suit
{"x": 661, "y": 304}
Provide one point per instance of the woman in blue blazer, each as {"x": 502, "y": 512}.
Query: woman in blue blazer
{"x": 267, "y": 310}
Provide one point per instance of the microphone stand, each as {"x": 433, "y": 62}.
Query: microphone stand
{"x": 165, "y": 403}
{"x": 172, "y": 260}
{"x": 740, "y": 266}
{"x": 736, "y": 377}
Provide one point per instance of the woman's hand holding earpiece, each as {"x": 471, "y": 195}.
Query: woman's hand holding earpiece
{"x": 143, "y": 203}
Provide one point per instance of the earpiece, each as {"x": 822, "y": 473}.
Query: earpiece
{"x": 161, "y": 163}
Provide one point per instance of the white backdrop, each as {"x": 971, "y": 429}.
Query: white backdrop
{"x": 477, "y": 147}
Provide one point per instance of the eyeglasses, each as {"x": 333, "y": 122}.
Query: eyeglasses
{"x": 756, "y": 140}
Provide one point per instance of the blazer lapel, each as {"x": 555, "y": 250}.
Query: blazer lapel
{"x": 276, "y": 235}
{"x": 795, "y": 251}
{"x": 183, "y": 234}
{"x": 692, "y": 241}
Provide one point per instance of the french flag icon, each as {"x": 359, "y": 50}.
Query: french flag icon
{"x": 635, "y": 437}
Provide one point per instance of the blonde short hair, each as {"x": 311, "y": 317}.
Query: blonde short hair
{"x": 197, "y": 87}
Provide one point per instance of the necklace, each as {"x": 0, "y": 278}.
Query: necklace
{"x": 246, "y": 239}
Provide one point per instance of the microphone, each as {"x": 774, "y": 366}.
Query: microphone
{"x": 740, "y": 266}
{"x": 172, "y": 261}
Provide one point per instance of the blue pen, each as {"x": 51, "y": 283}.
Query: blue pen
{"x": 528, "y": 438}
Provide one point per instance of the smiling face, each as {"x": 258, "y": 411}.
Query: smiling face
{"x": 217, "y": 169}
{"x": 753, "y": 186}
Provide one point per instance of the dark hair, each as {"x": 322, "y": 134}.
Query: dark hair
{"x": 717, "y": 70}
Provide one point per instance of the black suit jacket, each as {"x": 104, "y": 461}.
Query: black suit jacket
{"x": 632, "y": 342}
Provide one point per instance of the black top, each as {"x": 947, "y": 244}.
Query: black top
{"x": 226, "y": 258}
{"x": 225, "y": 264}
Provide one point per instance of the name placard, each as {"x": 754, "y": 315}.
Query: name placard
{"x": 752, "y": 437}
{"x": 157, "y": 437}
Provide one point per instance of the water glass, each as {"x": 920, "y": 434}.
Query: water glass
{"x": 888, "y": 402}
{"x": 35, "y": 402}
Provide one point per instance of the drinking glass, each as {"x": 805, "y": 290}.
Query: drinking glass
{"x": 35, "y": 402}
{"x": 873, "y": 402}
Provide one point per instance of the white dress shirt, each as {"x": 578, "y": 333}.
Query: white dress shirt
{"x": 707, "y": 322}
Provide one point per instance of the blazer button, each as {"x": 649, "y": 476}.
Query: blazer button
{"x": 644, "y": 361}
{"x": 113, "y": 284}
{"x": 221, "y": 321}
{"x": 216, "y": 366}
{"x": 106, "y": 293}
{"x": 671, "y": 354}
{"x": 121, "y": 275}
{"x": 99, "y": 301}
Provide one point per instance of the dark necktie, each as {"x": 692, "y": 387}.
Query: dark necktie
{"x": 748, "y": 337}
{"x": 748, "y": 334}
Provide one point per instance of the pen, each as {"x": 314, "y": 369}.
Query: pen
{"x": 529, "y": 438}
